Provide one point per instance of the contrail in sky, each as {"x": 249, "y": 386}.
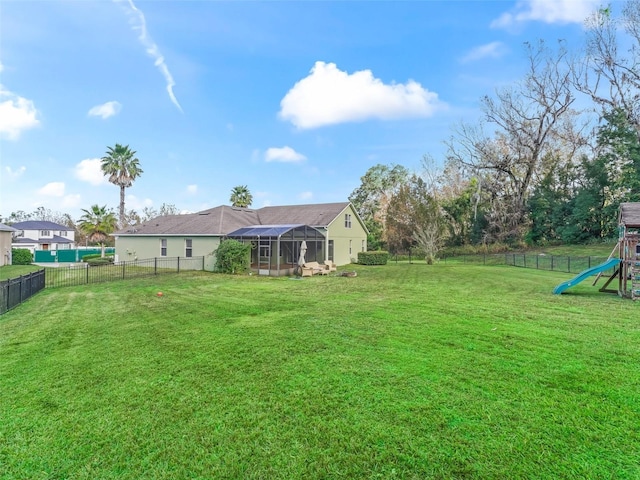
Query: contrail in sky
{"x": 139, "y": 23}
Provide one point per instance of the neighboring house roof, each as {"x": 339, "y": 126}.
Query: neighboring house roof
{"x": 6, "y": 228}
{"x": 40, "y": 225}
{"x": 223, "y": 220}
{"x": 54, "y": 239}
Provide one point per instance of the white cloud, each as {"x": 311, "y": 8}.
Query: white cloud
{"x": 306, "y": 196}
{"x": 140, "y": 25}
{"x": 52, "y": 189}
{"x": 14, "y": 174}
{"x": 106, "y": 110}
{"x": 192, "y": 189}
{"x": 71, "y": 201}
{"x": 330, "y": 96}
{"x": 284, "y": 154}
{"x": 90, "y": 171}
{"x": 489, "y": 50}
{"x": 547, "y": 11}
{"x": 134, "y": 203}
{"x": 16, "y": 114}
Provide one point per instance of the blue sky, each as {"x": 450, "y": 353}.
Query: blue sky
{"x": 294, "y": 99}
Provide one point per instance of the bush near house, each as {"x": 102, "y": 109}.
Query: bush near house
{"x": 21, "y": 256}
{"x": 233, "y": 257}
{"x": 97, "y": 259}
{"x": 378, "y": 257}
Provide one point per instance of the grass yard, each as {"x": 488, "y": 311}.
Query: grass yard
{"x": 14, "y": 271}
{"x": 405, "y": 371}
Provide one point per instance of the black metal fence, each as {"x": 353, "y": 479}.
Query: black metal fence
{"x": 85, "y": 274}
{"x": 14, "y": 291}
{"x": 558, "y": 263}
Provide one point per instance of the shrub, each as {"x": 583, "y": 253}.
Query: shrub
{"x": 232, "y": 256}
{"x": 94, "y": 261}
{"x": 21, "y": 256}
{"x": 378, "y": 257}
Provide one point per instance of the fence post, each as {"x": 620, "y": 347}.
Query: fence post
{"x": 155, "y": 265}
{"x": 524, "y": 260}
{"x": 178, "y": 264}
{"x": 552, "y": 263}
{"x": 123, "y": 263}
{"x": 589, "y": 262}
{"x": 537, "y": 262}
{"x": 568, "y": 264}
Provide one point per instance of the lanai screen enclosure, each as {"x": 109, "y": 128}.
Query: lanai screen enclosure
{"x": 275, "y": 249}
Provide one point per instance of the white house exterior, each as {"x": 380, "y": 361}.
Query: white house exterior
{"x": 42, "y": 235}
{"x": 6, "y": 234}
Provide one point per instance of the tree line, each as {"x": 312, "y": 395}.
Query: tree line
{"x": 537, "y": 168}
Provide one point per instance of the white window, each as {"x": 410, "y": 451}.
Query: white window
{"x": 350, "y": 241}
{"x": 347, "y": 220}
{"x": 63, "y": 233}
{"x": 188, "y": 247}
{"x": 45, "y": 233}
{"x": 363, "y": 245}
{"x": 163, "y": 247}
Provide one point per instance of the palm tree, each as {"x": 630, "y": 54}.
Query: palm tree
{"x": 241, "y": 197}
{"x": 97, "y": 223}
{"x": 122, "y": 166}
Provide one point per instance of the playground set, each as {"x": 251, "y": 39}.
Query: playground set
{"x": 626, "y": 265}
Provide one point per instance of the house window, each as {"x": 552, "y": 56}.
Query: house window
{"x": 163, "y": 247}
{"x": 45, "y": 233}
{"x": 188, "y": 251}
{"x": 331, "y": 250}
{"x": 350, "y": 241}
{"x": 347, "y": 220}
{"x": 63, "y": 233}
{"x": 363, "y": 245}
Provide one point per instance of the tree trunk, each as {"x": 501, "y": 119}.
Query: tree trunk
{"x": 122, "y": 188}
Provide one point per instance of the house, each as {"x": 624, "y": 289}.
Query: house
{"x": 43, "y": 235}
{"x": 6, "y": 234}
{"x": 332, "y": 231}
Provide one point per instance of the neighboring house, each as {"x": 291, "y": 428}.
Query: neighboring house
{"x": 42, "y": 235}
{"x": 6, "y": 234}
{"x": 333, "y": 231}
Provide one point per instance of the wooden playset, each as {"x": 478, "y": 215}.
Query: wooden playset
{"x": 628, "y": 270}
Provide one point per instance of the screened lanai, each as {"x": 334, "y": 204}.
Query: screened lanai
{"x": 276, "y": 248}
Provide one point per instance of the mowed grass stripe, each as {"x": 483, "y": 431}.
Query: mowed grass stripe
{"x": 407, "y": 371}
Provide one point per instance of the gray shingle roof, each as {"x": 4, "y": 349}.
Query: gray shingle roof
{"x": 54, "y": 239}
{"x": 40, "y": 225}
{"x": 316, "y": 215}
{"x": 215, "y": 221}
{"x": 6, "y": 228}
{"x": 224, "y": 219}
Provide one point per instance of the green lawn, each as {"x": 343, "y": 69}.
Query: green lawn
{"x": 405, "y": 371}
{"x": 14, "y": 271}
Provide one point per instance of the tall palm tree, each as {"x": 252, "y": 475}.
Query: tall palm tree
{"x": 241, "y": 197}
{"x": 122, "y": 166}
{"x": 97, "y": 223}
